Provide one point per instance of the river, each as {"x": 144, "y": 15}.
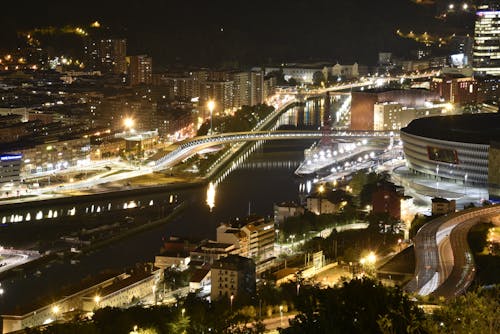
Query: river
{"x": 266, "y": 177}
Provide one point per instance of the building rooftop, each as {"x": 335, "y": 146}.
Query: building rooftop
{"x": 42, "y": 301}
{"x": 291, "y": 204}
{"x": 199, "y": 275}
{"x": 214, "y": 247}
{"x": 125, "y": 282}
{"x": 440, "y": 200}
{"x": 233, "y": 262}
{"x": 468, "y": 128}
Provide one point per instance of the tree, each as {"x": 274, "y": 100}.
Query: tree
{"x": 417, "y": 222}
{"x": 475, "y": 312}
{"x": 318, "y": 78}
{"x": 357, "y": 307}
{"x": 280, "y": 77}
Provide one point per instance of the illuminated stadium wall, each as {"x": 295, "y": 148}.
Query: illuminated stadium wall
{"x": 446, "y": 159}
{"x": 462, "y": 147}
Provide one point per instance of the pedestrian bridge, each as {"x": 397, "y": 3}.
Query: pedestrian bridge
{"x": 189, "y": 147}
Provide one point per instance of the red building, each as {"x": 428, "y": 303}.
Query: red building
{"x": 387, "y": 199}
{"x": 362, "y": 104}
{"x": 460, "y": 90}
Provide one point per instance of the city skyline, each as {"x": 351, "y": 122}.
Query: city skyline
{"x": 261, "y": 32}
{"x": 253, "y": 167}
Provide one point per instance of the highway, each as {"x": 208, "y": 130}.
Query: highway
{"x": 444, "y": 262}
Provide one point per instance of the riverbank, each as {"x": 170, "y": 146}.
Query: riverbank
{"x": 58, "y": 255}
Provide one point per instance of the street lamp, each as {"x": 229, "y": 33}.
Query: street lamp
{"x": 129, "y": 123}
{"x": 371, "y": 258}
{"x": 321, "y": 190}
{"x": 437, "y": 180}
{"x": 281, "y": 315}
{"x": 211, "y": 107}
{"x": 232, "y": 298}
{"x": 465, "y": 184}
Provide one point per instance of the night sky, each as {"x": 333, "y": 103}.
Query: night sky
{"x": 250, "y": 32}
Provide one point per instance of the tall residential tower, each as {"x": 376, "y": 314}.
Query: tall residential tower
{"x": 487, "y": 39}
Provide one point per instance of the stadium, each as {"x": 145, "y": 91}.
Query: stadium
{"x": 462, "y": 148}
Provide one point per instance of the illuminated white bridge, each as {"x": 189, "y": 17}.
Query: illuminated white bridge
{"x": 281, "y": 102}
{"x": 192, "y": 146}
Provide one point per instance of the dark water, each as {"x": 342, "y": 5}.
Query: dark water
{"x": 265, "y": 178}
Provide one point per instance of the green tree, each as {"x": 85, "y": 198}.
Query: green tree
{"x": 475, "y": 312}
{"x": 417, "y": 222}
{"x": 318, "y": 78}
{"x": 357, "y": 307}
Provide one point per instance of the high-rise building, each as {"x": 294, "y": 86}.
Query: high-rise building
{"x": 221, "y": 92}
{"x": 112, "y": 55}
{"x": 486, "y": 39}
{"x": 257, "y": 87}
{"x": 140, "y": 70}
{"x": 242, "y": 88}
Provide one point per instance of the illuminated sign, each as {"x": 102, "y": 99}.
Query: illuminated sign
{"x": 8, "y": 157}
{"x": 442, "y": 155}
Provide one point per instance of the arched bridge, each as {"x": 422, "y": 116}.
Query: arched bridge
{"x": 189, "y": 147}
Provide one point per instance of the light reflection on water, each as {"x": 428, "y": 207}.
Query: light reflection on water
{"x": 254, "y": 184}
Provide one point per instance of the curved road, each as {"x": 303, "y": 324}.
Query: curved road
{"x": 444, "y": 262}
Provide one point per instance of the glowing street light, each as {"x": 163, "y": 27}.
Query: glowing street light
{"x": 211, "y": 107}
{"x": 371, "y": 258}
{"x": 368, "y": 260}
{"x": 55, "y": 309}
{"x": 128, "y": 123}
{"x": 97, "y": 299}
{"x": 232, "y": 298}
